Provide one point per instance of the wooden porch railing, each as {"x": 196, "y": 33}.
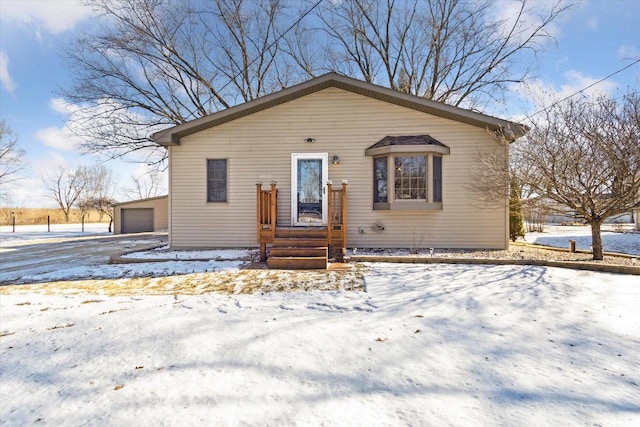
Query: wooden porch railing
{"x": 267, "y": 214}
{"x": 337, "y": 215}
{"x": 267, "y": 211}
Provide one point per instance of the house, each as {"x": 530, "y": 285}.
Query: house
{"x": 337, "y": 161}
{"x": 138, "y": 216}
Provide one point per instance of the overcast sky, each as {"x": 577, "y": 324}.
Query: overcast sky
{"x": 595, "y": 39}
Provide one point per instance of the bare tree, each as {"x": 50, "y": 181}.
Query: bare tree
{"x": 147, "y": 185}
{"x": 11, "y": 157}
{"x": 104, "y": 205}
{"x": 451, "y": 51}
{"x": 157, "y": 63}
{"x": 97, "y": 193}
{"x": 585, "y": 156}
{"x": 498, "y": 171}
{"x": 65, "y": 186}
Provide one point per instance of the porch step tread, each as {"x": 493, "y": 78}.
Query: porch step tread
{"x": 301, "y": 232}
{"x": 283, "y": 251}
{"x": 297, "y": 263}
{"x": 296, "y": 242}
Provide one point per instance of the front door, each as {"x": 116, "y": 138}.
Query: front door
{"x": 308, "y": 187}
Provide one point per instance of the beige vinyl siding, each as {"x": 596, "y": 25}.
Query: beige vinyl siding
{"x": 259, "y": 146}
{"x": 159, "y": 205}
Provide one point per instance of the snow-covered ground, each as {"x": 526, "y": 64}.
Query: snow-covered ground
{"x": 559, "y": 236}
{"x": 425, "y": 345}
{"x": 29, "y": 233}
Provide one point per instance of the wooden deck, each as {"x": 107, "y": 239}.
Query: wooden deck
{"x": 301, "y": 247}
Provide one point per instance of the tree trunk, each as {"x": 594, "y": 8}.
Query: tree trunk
{"x": 596, "y": 241}
{"x": 110, "y": 222}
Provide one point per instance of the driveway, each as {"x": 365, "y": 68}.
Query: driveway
{"x": 45, "y": 256}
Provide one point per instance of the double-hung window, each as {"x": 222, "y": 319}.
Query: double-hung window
{"x": 410, "y": 177}
{"x": 407, "y": 172}
{"x": 216, "y": 180}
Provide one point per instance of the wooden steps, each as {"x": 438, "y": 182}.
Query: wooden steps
{"x": 299, "y": 248}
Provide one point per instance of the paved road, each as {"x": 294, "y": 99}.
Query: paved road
{"x": 45, "y": 256}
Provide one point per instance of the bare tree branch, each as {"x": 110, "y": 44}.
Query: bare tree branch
{"x": 451, "y": 51}
{"x": 11, "y": 157}
{"x": 65, "y": 186}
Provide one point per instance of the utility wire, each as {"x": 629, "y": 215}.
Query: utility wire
{"x": 304, "y": 15}
{"x": 584, "y": 88}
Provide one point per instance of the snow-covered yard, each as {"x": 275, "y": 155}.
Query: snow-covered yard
{"x": 192, "y": 342}
{"x": 425, "y": 345}
{"x": 613, "y": 240}
{"x": 30, "y": 233}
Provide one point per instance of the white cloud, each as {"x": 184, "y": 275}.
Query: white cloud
{"x": 530, "y": 18}
{"x": 539, "y": 94}
{"x": 59, "y": 138}
{"x": 629, "y": 51}
{"x": 61, "y": 106}
{"x": 5, "y": 77}
{"x": 54, "y": 16}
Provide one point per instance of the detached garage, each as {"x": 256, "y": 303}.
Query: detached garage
{"x": 139, "y": 216}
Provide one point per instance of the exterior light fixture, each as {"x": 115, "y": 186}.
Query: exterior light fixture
{"x": 310, "y": 140}
{"x": 335, "y": 160}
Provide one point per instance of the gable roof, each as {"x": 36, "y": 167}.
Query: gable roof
{"x": 172, "y": 135}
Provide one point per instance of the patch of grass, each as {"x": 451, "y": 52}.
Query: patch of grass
{"x": 224, "y": 282}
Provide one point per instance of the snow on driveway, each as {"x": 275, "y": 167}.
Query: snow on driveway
{"x": 425, "y": 345}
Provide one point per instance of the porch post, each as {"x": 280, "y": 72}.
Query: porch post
{"x": 329, "y": 212}
{"x": 274, "y": 209}
{"x": 344, "y": 216}
{"x": 263, "y": 246}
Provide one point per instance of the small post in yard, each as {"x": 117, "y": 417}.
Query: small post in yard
{"x": 572, "y": 246}
{"x": 49, "y": 223}
{"x": 13, "y": 221}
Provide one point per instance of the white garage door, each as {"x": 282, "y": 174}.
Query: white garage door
{"x": 137, "y": 220}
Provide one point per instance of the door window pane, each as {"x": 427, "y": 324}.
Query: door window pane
{"x": 309, "y": 182}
